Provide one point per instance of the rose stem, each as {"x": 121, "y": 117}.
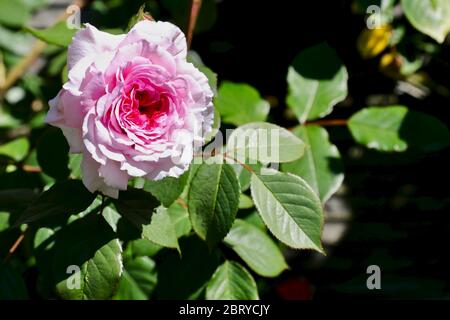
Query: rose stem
{"x": 15, "y": 245}
{"x": 328, "y": 123}
{"x": 193, "y": 14}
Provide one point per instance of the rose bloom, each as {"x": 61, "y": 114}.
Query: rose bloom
{"x": 132, "y": 105}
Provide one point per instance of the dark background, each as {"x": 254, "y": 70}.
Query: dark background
{"x": 399, "y": 202}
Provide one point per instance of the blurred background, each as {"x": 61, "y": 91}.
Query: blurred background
{"x": 392, "y": 210}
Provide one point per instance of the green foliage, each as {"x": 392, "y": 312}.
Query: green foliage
{"x": 204, "y": 235}
{"x": 213, "y": 201}
{"x": 16, "y": 149}
{"x": 240, "y": 103}
{"x": 89, "y": 244}
{"x": 137, "y": 206}
{"x": 13, "y": 13}
{"x": 256, "y": 248}
{"x": 167, "y": 190}
{"x": 431, "y": 17}
{"x": 52, "y": 154}
{"x": 290, "y": 209}
{"x": 396, "y": 128}
{"x": 321, "y": 166}
{"x": 231, "y": 282}
{"x": 264, "y": 142}
{"x": 60, "y": 201}
{"x": 59, "y": 34}
{"x": 317, "y": 81}
{"x": 138, "y": 279}
{"x": 161, "y": 230}
{"x": 185, "y": 276}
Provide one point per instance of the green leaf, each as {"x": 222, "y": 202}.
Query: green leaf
{"x": 16, "y": 149}
{"x": 139, "y": 16}
{"x": 58, "y": 34}
{"x": 6, "y": 120}
{"x": 4, "y": 221}
{"x": 231, "y": 282}
{"x": 245, "y": 175}
{"x": 379, "y": 128}
{"x": 143, "y": 248}
{"x": 13, "y": 13}
{"x": 395, "y": 128}
{"x": 12, "y": 284}
{"x": 75, "y": 161}
{"x": 317, "y": 81}
{"x": 137, "y": 206}
{"x": 60, "y": 201}
{"x": 161, "y": 230}
{"x": 240, "y": 103}
{"x": 213, "y": 201}
{"x": 321, "y": 166}
{"x": 264, "y": 142}
{"x": 111, "y": 215}
{"x": 180, "y": 219}
{"x": 289, "y": 208}
{"x": 13, "y": 199}
{"x": 431, "y": 17}
{"x": 245, "y": 202}
{"x": 256, "y": 248}
{"x": 52, "y": 153}
{"x": 254, "y": 218}
{"x": 138, "y": 279}
{"x": 90, "y": 244}
{"x": 168, "y": 189}
{"x": 184, "y": 277}
{"x": 43, "y": 239}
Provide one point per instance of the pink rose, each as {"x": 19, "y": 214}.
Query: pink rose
{"x": 133, "y": 106}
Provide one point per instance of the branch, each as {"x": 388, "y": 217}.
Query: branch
{"x": 31, "y": 169}
{"x": 15, "y": 245}
{"x": 193, "y": 14}
{"x": 245, "y": 166}
{"x": 328, "y": 123}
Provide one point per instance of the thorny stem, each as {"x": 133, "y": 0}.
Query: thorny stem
{"x": 193, "y": 14}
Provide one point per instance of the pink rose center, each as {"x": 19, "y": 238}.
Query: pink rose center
{"x": 146, "y": 105}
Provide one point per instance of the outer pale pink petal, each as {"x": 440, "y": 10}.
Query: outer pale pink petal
{"x": 166, "y": 168}
{"x": 55, "y": 115}
{"x": 90, "y": 42}
{"x": 73, "y": 136}
{"x": 113, "y": 176}
{"x": 109, "y": 191}
{"x": 161, "y": 33}
{"x": 201, "y": 93}
{"x": 92, "y": 180}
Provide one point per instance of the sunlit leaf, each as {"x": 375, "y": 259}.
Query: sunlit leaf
{"x": 290, "y": 209}
{"x": 317, "y": 81}
{"x": 231, "y": 282}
